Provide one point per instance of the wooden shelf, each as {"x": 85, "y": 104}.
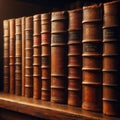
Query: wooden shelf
{"x": 47, "y": 110}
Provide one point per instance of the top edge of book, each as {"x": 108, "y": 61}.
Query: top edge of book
{"x": 112, "y": 2}
{"x": 75, "y": 10}
{"x": 93, "y": 6}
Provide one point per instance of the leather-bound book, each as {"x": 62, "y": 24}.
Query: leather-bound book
{"x": 36, "y": 56}
{"x": 59, "y": 57}
{"x": 45, "y": 55}
{"x": 6, "y": 55}
{"x": 75, "y": 57}
{"x": 12, "y": 55}
{"x": 29, "y": 56}
{"x": 92, "y": 58}
{"x": 111, "y": 58}
{"x": 23, "y": 56}
{"x": 18, "y": 56}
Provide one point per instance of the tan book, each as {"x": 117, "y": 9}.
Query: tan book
{"x": 18, "y": 56}
{"x": 59, "y": 57}
{"x": 29, "y": 56}
{"x": 75, "y": 57}
{"x": 92, "y": 58}
{"x": 111, "y": 58}
{"x": 37, "y": 56}
{"x": 12, "y": 55}
{"x": 23, "y": 55}
{"x": 45, "y": 55}
{"x": 6, "y": 38}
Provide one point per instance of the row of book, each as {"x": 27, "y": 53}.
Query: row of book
{"x": 69, "y": 57}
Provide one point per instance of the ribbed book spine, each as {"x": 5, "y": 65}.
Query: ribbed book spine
{"x": 45, "y": 55}
{"x": 12, "y": 55}
{"x": 36, "y": 56}
{"x": 111, "y": 59}
{"x": 29, "y": 56}
{"x": 59, "y": 57}
{"x": 92, "y": 58}
{"x": 23, "y": 55}
{"x": 74, "y": 57}
{"x": 18, "y": 56}
{"x": 6, "y": 55}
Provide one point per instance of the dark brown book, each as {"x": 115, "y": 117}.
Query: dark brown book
{"x": 23, "y": 56}
{"x": 36, "y": 56}
{"x": 92, "y": 58}
{"x": 59, "y": 57}
{"x": 111, "y": 58}
{"x": 45, "y": 55}
{"x": 6, "y": 55}
{"x": 74, "y": 57}
{"x": 18, "y": 56}
{"x": 12, "y": 55}
{"x": 29, "y": 56}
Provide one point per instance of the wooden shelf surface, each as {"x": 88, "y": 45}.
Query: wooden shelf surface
{"x": 47, "y": 110}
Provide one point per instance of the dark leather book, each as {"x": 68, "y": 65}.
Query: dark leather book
{"x": 75, "y": 57}
{"x": 59, "y": 57}
{"x": 111, "y": 58}
{"x": 18, "y": 56}
{"x": 6, "y": 34}
{"x": 92, "y": 58}
{"x": 45, "y": 55}
{"x": 36, "y": 56}
{"x": 23, "y": 55}
{"x": 29, "y": 56}
{"x": 12, "y": 55}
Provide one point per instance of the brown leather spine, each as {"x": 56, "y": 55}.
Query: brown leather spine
{"x": 28, "y": 56}
{"x": 18, "y": 56}
{"x": 46, "y": 55}
{"x": 23, "y": 55}
{"x": 111, "y": 58}
{"x": 111, "y": 14}
{"x": 59, "y": 57}
{"x": 92, "y": 58}
{"x": 6, "y": 55}
{"x": 36, "y": 56}
{"x": 74, "y": 57}
{"x": 12, "y": 56}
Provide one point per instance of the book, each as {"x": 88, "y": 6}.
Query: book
{"x": 37, "y": 56}
{"x": 59, "y": 57}
{"x": 45, "y": 55}
{"x": 111, "y": 58}
{"x": 23, "y": 55}
{"x": 75, "y": 57}
{"x": 92, "y": 58}
{"x": 12, "y": 55}
{"x": 18, "y": 56}
{"x": 6, "y": 55}
{"x": 29, "y": 56}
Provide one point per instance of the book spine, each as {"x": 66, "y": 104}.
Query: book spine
{"x": 12, "y": 55}
{"x": 29, "y": 56}
{"x": 74, "y": 57}
{"x": 6, "y": 55}
{"x": 36, "y": 56}
{"x": 45, "y": 55}
{"x": 59, "y": 57}
{"x": 111, "y": 58}
{"x": 23, "y": 55}
{"x": 92, "y": 58}
{"x": 18, "y": 57}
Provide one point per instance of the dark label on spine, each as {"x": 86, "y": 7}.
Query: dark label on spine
{"x": 45, "y": 60}
{"x": 92, "y": 47}
{"x": 111, "y": 33}
{"x": 75, "y": 35}
{"x": 59, "y": 38}
{"x": 29, "y": 34}
{"x": 18, "y": 37}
